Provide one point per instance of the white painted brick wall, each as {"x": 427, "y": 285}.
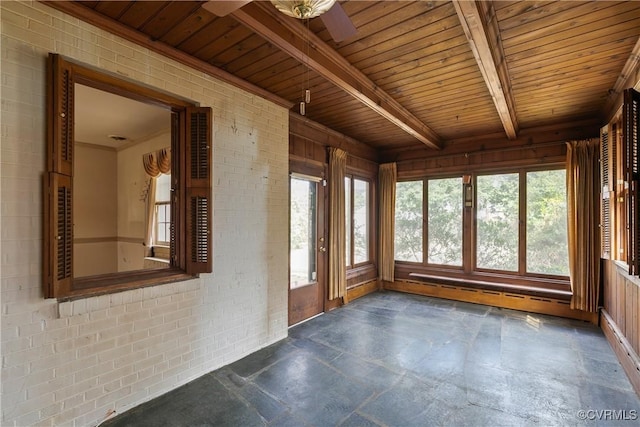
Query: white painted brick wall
{"x": 70, "y": 363}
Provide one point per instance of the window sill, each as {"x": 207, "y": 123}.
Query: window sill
{"x": 538, "y": 285}
{"x": 110, "y": 283}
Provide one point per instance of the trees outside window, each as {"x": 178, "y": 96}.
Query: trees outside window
{"x": 444, "y": 221}
{"x": 517, "y": 223}
{"x": 409, "y": 230}
{"x": 357, "y": 221}
{"x": 547, "y": 223}
{"x": 497, "y": 217}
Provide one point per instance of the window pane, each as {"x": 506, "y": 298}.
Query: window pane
{"x": 408, "y": 218}
{"x": 547, "y": 248}
{"x": 360, "y": 221}
{"x": 497, "y": 222}
{"x": 444, "y": 225}
{"x": 347, "y": 220}
{"x": 163, "y": 224}
{"x": 163, "y": 188}
{"x": 302, "y": 233}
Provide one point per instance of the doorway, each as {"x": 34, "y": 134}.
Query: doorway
{"x": 307, "y": 248}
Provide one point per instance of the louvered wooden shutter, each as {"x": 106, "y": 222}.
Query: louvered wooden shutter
{"x": 60, "y": 225}
{"x": 198, "y": 191}
{"x": 605, "y": 196}
{"x": 58, "y": 212}
{"x": 61, "y": 115}
{"x": 630, "y": 125}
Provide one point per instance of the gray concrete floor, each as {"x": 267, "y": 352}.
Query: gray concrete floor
{"x": 391, "y": 359}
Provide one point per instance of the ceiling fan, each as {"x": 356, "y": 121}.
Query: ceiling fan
{"x": 331, "y": 13}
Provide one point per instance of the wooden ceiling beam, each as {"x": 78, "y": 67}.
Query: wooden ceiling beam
{"x": 292, "y": 37}
{"x": 479, "y": 22}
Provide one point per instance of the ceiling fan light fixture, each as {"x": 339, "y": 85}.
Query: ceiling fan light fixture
{"x": 303, "y": 9}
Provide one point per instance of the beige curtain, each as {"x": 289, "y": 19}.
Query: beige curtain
{"x": 155, "y": 164}
{"x": 583, "y": 219}
{"x": 337, "y": 269}
{"x": 150, "y": 208}
{"x": 387, "y": 177}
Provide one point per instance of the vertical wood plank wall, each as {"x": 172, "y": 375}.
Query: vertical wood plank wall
{"x": 620, "y": 320}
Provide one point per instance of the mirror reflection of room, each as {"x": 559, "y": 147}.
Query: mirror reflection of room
{"x": 121, "y": 184}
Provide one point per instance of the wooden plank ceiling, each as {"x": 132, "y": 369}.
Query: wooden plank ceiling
{"x": 417, "y": 72}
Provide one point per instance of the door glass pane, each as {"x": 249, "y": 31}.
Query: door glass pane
{"x": 408, "y": 219}
{"x": 444, "y": 225}
{"x": 497, "y": 222}
{"x": 360, "y": 221}
{"x": 547, "y": 248}
{"x": 302, "y": 233}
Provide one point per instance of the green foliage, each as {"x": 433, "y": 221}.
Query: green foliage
{"x": 409, "y": 218}
{"x": 497, "y": 222}
{"x": 547, "y": 223}
{"x": 444, "y": 222}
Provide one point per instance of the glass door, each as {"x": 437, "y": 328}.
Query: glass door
{"x": 306, "y": 248}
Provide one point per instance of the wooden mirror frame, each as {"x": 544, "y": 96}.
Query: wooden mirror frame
{"x": 191, "y": 207}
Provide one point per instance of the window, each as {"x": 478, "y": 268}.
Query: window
{"x": 444, "y": 221}
{"x": 357, "y": 221}
{"x": 162, "y": 214}
{"x": 497, "y": 202}
{"x": 547, "y": 247}
{"x": 190, "y": 217}
{"x": 409, "y": 213}
{"x": 514, "y": 224}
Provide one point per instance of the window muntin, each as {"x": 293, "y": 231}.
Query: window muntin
{"x": 444, "y": 221}
{"x": 497, "y": 221}
{"x": 547, "y": 247}
{"x": 409, "y": 230}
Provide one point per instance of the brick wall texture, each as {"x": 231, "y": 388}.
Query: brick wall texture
{"x": 71, "y": 363}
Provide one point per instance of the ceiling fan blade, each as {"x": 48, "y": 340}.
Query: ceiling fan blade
{"x": 338, "y": 23}
{"x": 224, "y": 7}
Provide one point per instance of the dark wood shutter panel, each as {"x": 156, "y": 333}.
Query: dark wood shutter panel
{"x": 59, "y": 224}
{"x": 58, "y": 212}
{"x": 198, "y": 194}
{"x": 61, "y": 115}
{"x": 630, "y": 126}
{"x": 605, "y": 197}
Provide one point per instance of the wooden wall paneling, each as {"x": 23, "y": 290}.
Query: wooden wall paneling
{"x": 620, "y": 320}
{"x": 628, "y": 310}
{"x": 303, "y": 128}
{"x": 626, "y": 355}
{"x": 528, "y": 303}
{"x": 632, "y": 315}
{"x": 362, "y": 289}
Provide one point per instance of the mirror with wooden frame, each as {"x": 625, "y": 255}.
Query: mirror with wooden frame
{"x": 100, "y": 219}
